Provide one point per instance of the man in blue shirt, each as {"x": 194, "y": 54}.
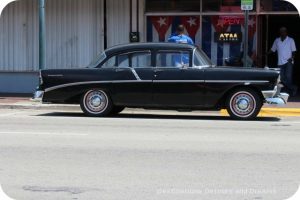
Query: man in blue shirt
{"x": 180, "y": 38}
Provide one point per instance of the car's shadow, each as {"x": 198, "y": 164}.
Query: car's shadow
{"x": 158, "y": 116}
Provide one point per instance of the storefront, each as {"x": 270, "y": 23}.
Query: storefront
{"x": 217, "y": 26}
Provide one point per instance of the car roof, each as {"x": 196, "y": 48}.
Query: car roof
{"x": 149, "y": 45}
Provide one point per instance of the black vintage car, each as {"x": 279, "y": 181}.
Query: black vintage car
{"x": 160, "y": 76}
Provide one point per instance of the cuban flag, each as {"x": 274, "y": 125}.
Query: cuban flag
{"x": 160, "y": 28}
{"x": 218, "y": 51}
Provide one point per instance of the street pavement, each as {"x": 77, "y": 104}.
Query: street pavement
{"x": 60, "y": 154}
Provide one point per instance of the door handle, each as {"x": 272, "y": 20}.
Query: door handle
{"x": 120, "y": 70}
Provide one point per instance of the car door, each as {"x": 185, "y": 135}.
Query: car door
{"x": 134, "y": 77}
{"x": 176, "y": 82}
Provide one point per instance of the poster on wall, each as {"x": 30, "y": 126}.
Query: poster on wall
{"x": 160, "y": 28}
{"x": 229, "y": 44}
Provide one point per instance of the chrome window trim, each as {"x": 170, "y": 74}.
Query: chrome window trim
{"x": 147, "y": 51}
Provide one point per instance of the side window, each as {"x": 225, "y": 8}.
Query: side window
{"x": 117, "y": 61}
{"x": 110, "y": 63}
{"x": 200, "y": 59}
{"x": 134, "y": 59}
{"x": 142, "y": 59}
{"x": 172, "y": 59}
{"x": 123, "y": 60}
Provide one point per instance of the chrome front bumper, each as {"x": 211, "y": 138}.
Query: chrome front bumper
{"x": 38, "y": 96}
{"x": 280, "y": 99}
{"x": 274, "y": 97}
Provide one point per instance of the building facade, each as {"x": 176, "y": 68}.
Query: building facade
{"x": 77, "y": 30}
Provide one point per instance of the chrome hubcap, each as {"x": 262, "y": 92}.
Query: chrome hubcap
{"x": 243, "y": 104}
{"x": 95, "y": 101}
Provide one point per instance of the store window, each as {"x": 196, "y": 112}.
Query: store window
{"x": 276, "y": 5}
{"x": 160, "y": 28}
{"x": 222, "y": 5}
{"x": 172, "y": 5}
{"x": 222, "y": 39}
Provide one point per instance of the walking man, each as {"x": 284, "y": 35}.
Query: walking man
{"x": 180, "y": 38}
{"x": 286, "y": 50}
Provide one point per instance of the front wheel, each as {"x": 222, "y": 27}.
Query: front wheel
{"x": 96, "y": 103}
{"x": 244, "y": 104}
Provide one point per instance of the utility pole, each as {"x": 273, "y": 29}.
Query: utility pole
{"x": 246, "y": 5}
{"x": 246, "y": 38}
{"x": 42, "y": 35}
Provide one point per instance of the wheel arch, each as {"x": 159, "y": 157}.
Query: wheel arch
{"x": 75, "y": 97}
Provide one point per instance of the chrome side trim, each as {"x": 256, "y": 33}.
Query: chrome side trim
{"x": 179, "y": 81}
{"x": 93, "y": 82}
{"x": 135, "y": 74}
{"x": 55, "y": 75}
{"x": 149, "y": 81}
{"x": 236, "y": 81}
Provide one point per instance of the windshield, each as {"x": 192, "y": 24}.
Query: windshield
{"x": 98, "y": 59}
{"x": 201, "y": 59}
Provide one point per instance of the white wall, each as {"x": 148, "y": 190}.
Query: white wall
{"x": 18, "y": 37}
{"x": 118, "y": 22}
{"x": 74, "y": 34}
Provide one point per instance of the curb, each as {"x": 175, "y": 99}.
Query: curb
{"x": 271, "y": 112}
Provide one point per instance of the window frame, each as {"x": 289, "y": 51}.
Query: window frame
{"x": 170, "y": 51}
{"x": 129, "y": 54}
{"x": 172, "y": 10}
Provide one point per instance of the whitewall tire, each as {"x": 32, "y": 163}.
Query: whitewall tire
{"x": 244, "y": 104}
{"x": 96, "y": 103}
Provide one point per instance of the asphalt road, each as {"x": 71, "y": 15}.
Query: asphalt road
{"x": 64, "y": 155}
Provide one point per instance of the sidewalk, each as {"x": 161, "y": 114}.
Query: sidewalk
{"x": 291, "y": 109}
{"x": 26, "y": 103}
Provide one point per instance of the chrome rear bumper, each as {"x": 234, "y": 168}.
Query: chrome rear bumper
{"x": 38, "y": 96}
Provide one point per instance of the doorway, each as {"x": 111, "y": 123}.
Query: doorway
{"x": 270, "y": 31}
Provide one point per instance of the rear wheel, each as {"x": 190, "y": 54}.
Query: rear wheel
{"x": 96, "y": 103}
{"x": 244, "y": 104}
